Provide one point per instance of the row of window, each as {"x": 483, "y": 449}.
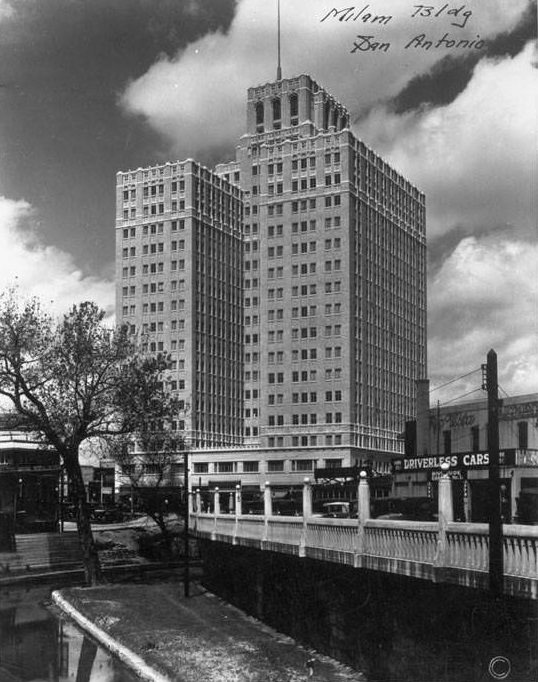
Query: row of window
{"x": 296, "y": 227}
{"x": 302, "y": 163}
{"x": 154, "y": 190}
{"x": 301, "y": 185}
{"x": 296, "y": 206}
{"x": 251, "y": 466}
{"x": 296, "y": 355}
{"x": 154, "y": 229}
{"x": 303, "y": 441}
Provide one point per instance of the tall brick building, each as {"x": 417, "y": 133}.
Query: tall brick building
{"x": 179, "y": 286}
{"x": 334, "y": 292}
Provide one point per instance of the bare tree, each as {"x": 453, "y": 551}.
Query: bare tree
{"x": 148, "y": 460}
{"x": 76, "y": 379}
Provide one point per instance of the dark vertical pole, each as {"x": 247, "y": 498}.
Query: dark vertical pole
{"x": 61, "y": 499}
{"x": 186, "y": 580}
{"x": 496, "y": 570}
{"x": 278, "y": 68}
{"x": 438, "y": 428}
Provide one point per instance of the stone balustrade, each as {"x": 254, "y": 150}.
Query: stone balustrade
{"x": 444, "y": 551}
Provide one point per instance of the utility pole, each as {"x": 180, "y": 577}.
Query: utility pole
{"x": 496, "y": 568}
{"x": 186, "y": 580}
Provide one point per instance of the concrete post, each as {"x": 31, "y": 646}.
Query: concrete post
{"x": 216, "y": 501}
{"x": 198, "y": 501}
{"x": 307, "y": 498}
{"x": 307, "y": 513}
{"x": 238, "y": 510}
{"x": 446, "y": 514}
{"x": 363, "y": 514}
{"x": 267, "y": 500}
{"x": 446, "y": 508}
{"x": 363, "y": 498}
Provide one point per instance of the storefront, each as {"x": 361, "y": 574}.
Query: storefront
{"x": 29, "y": 484}
{"x": 419, "y": 477}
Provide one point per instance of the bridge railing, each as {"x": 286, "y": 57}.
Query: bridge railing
{"x": 438, "y": 550}
{"x": 409, "y": 540}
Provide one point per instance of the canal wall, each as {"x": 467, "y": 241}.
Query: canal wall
{"x": 393, "y": 628}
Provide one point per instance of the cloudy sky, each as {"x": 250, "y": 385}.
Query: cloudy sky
{"x": 88, "y": 88}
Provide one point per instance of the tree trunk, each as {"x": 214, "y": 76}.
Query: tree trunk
{"x": 90, "y": 558}
{"x": 160, "y": 520}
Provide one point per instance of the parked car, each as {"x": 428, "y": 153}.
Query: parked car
{"x": 336, "y": 509}
{"x": 108, "y": 515}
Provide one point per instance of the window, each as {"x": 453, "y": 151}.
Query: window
{"x": 447, "y": 442}
{"x": 250, "y": 467}
{"x": 259, "y": 116}
{"x": 201, "y": 467}
{"x": 276, "y": 111}
{"x": 275, "y": 465}
{"x": 475, "y": 438}
{"x": 302, "y": 464}
{"x": 294, "y": 109}
{"x": 523, "y": 435}
{"x": 225, "y": 467}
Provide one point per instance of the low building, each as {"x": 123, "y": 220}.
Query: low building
{"x": 29, "y": 482}
{"x": 457, "y": 435}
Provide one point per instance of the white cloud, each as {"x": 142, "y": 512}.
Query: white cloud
{"x": 6, "y": 10}
{"x": 43, "y": 271}
{"x": 476, "y": 157}
{"x": 197, "y": 99}
{"x": 485, "y": 296}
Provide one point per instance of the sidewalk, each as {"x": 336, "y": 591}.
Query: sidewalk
{"x": 164, "y": 636}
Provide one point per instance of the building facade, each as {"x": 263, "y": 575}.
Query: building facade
{"x": 179, "y": 288}
{"x": 30, "y": 477}
{"x": 333, "y": 307}
{"x": 458, "y": 435}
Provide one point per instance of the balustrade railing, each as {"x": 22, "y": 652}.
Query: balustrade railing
{"x": 285, "y": 531}
{"x": 521, "y": 551}
{"x": 331, "y": 534}
{"x": 466, "y": 543}
{"x": 421, "y": 549}
{"x": 250, "y": 527}
{"x": 467, "y": 546}
{"x": 409, "y": 540}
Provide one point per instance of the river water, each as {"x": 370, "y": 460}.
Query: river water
{"x": 38, "y": 643}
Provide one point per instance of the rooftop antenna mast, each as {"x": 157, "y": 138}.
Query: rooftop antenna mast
{"x": 278, "y": 68}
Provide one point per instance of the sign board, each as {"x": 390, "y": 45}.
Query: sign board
{"x": 528, "y": 410}
{"x": 527, "y": 457}
{"x": 460, "y": 460}
{"x": 454, "y": 474}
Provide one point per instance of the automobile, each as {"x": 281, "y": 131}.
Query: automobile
{"x": 110, "y": 515}
{"x": 336, "y": 510}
